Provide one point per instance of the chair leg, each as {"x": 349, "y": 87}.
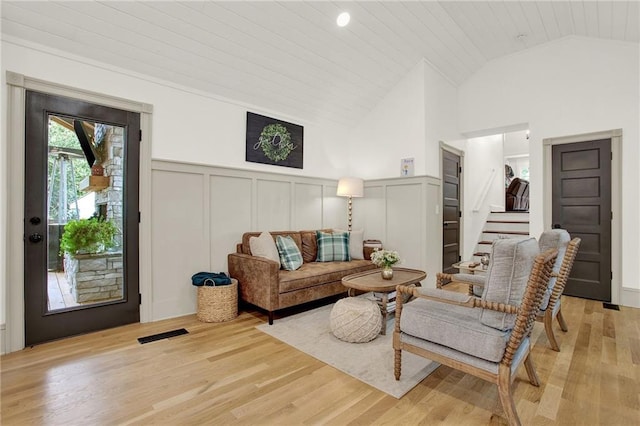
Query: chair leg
{"x": 531, "y": 371}
{"x": 548, "y": 327}
{"x": 397, "y": 361}
{"x": 563, "y": 325}
{"x": 504, "y": 391}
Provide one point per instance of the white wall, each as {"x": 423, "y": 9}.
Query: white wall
{"x": 483, "y": 171}
{"x": 572, "y": 86}
{"x": 409, "y": 122}
{"x": 188, "y": 126}
{"x": 516, "y": 143}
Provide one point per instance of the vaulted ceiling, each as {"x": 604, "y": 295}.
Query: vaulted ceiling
{"x": 291, "y": 57}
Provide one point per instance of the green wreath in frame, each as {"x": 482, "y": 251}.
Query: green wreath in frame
{"x": 273, "y": 148}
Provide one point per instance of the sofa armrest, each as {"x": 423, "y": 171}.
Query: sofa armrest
{"x": 257, "y": 279}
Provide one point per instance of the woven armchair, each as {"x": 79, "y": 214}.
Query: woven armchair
{"x": 486, "y": 337}
{"x": 551, "y": 303}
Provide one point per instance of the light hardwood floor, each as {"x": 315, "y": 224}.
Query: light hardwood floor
{"x": 231, "y": 373}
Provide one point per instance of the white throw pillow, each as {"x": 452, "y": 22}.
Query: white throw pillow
{"x": 356, "y": 243}
{"x": 264, "y": 246}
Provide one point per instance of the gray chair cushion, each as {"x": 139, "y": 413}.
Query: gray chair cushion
{"x": 456, "y": 327}
{"x": 473, "y": 279}
{"x": 507, "y": 277}
{"x": 491, "y": 367}
{"x": 558, "y": 239}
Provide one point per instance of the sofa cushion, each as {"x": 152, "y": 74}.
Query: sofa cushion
{"x": 332, "y": 246}
{"x": 310, "y": 245}
{"x": 456, "y": 327}
{"x": 319, "y": 273}
{"x": 356, "y": 243}
{"x": 507, "y": 278}
{"x": 246, "y": 237}
{"x": 264, "y": 246}
{"x": 290, "y": 256}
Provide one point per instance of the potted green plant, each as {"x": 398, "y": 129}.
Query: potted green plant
{"x": 86, "y": 236}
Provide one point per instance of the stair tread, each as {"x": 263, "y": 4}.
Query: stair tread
{"x": 514, "y": 211}
{"x": 507, "y": 221}
{"x": 507, "y": 232}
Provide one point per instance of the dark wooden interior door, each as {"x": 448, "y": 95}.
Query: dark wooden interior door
{"x": 581, "y": 177}
{"x": 45, "y": 320}
{"x": 450, "y": 211}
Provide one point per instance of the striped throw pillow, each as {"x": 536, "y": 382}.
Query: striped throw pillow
{"x": 290, "y": 256}
{"x": 332, "y": 246}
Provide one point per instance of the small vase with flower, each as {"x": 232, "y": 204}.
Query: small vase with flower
{"x": 385, "y": 259}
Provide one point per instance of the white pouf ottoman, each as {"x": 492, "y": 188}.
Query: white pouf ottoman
{"x": 356, "y": 320}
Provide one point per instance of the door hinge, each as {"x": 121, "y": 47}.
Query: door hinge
{"x": 460, "y": 170}
{"x": 459, "y": 213}
{"x": 139, "y": 298}
{"x": 139, "y": 217}
{"x": 140, "y": 135}
{"x": 611, "y": 215}
{"x": 459, "y": 258}
{"x": 611, "y": 274}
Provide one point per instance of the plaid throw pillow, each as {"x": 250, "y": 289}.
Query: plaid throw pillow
{"x": 332, "y": 246}
{"x": 290, "y": 256}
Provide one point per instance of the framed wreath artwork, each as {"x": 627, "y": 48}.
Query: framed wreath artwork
{"x": 272, "y": 141}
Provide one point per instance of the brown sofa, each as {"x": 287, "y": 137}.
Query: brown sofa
{"x": 263, "y": 284}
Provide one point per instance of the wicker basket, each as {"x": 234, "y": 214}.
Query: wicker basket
{"x": 218, "y": 303}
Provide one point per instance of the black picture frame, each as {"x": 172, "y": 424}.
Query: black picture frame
{"x": 273, "y": 141}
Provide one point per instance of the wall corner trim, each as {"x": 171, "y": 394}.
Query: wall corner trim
{"x": 15, "y": 79}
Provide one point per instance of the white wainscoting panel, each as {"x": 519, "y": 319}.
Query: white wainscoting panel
{"x": 405, "y": 214}
{"x": 307, "y": 206}
{"x": 406, "y": 223}
{"x": 334, "y": 209}
{"x": 200, "y": 212}
{"x": 180, "y": 244}
{"x": 230, "y": 206}
{"x": 369, "y": 212}
{"x": 273, "y": 205}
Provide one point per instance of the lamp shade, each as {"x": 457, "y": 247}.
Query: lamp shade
{"x": 350, "y": 187}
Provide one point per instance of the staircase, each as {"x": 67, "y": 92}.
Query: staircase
{"x": 502, "y": 225}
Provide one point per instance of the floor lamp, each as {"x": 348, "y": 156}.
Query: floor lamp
{"x": 350, "y": 187}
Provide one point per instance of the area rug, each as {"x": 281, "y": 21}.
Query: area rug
{"x": 371, "y": 362}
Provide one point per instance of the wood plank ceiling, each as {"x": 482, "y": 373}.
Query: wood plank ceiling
{"x": 291, "y": 57}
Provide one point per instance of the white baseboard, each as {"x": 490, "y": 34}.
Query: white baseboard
{"x": 630, "y": 297}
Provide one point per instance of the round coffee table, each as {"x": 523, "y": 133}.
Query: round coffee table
{"x": 372, "y": 281}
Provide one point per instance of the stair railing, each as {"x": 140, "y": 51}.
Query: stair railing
{"x": 485, "y": 190}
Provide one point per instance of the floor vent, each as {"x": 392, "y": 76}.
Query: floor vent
{"x": 610, "y": 306}
{"x": 160, "y": 336}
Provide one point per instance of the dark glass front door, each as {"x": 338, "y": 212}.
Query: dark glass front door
{"x": 81, "y": 217}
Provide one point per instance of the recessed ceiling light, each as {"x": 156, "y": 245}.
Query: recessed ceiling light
{"x": 343, "y": 19}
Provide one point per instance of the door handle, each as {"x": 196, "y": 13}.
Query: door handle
{"x": 35, "y": 220}
{"x": 35, "y": 238}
